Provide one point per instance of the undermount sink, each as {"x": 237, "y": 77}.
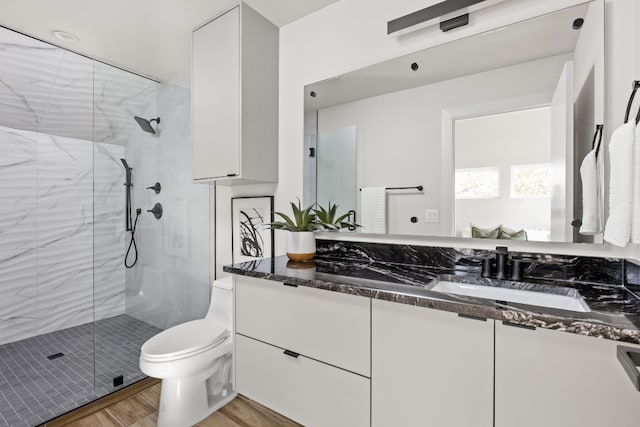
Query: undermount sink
{"x": 570, "y": 300}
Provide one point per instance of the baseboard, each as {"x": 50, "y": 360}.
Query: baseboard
{"x": 103, "y": 402}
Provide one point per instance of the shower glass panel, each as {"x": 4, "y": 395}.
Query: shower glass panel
{"x": 118, "y": 96}
{"x": 46, "y": 235}
{"x": 167, "y": 282}
{"x": 336, "y": 168}
{"x": 72, "y": 317}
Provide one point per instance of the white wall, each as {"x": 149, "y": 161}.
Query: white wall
{"x": 351, "y": 34}
{"x": 399, "y": 134}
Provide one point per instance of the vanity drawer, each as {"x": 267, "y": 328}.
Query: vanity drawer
{"x": 307, "y": 391}
{"x": 328, "y": 326}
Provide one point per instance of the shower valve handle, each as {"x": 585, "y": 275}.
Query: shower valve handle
{"x": 156, "y": 211}
{"x": 155, "y": 187}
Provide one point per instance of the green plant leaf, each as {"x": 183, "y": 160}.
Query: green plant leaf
{"x": 286, "y": 218}
{"x": 332, "y": 212}
{"x": 302, "y": 219}
{"x": 341, "y": 218}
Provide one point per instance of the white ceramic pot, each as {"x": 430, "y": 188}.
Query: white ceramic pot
{"x": 301, "y": 245}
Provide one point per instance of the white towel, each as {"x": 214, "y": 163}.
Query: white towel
{"x": 373, "y": 206}
{"x": 635, "y": 210}
{"x": 591, "y": 172}
{"x": 618, "y": 228}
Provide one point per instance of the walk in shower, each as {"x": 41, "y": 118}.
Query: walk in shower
{"x": 72, "y": 316}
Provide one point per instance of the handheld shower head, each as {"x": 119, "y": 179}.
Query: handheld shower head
{"x": 127, "y": 200}
{"x": 145, "y": 124}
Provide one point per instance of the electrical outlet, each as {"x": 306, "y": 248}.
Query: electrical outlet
{"x": 431, "y": 215}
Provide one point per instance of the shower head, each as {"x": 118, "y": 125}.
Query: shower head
{"x": 145, "y": 124}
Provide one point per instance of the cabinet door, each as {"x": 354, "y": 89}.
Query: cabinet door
{"x": 559, "y": 379}
{"x": 332, "y": 327}
{"x": 305, "y": 390}
{"x": 216, "y": 97}
{"x": 430, "y": 368}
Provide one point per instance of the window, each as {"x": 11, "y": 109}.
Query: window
{"x": 531, "y": 181}
{"x": 478, "y": 183}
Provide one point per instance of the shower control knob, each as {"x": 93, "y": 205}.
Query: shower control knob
{"x": 155, "y": 187}
{"x": 156, "y": 211}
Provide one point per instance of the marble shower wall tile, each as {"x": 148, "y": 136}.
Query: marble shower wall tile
{"x": 109, "y": 231}
{"x": 29, "y": 68}
{"x": 18, "y": 290}
{"x": 61, "y": 193}
{"x": 65, "y": 286}
{"x": 118, "y": 97}
{"x": 173, "y": 269}
{"x": 47, "y": 233}
{"x": 70, "y": 96}
{"x": 17, "y": 167}
{"x": 64, "y": 191}
{"x": 575, "y": 269}
{"x": 17, "y": 225}
{"x": 53, "y": 91}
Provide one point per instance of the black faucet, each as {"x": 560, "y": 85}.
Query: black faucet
{"x": 516, "y": 269}
{"x": 502, "y": 253}
{"x": 502, "y": 259}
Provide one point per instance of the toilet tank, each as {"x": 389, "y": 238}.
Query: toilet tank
{"x": 221, "y": 304}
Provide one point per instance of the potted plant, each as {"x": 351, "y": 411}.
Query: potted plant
{"x": 327, "y": 218}
{"x": 301, "y": 243}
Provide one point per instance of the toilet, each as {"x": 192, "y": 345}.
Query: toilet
{"x": 193, "y": 360}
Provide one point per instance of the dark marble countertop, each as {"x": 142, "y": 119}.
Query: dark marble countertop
{"x": 614, "y": 315}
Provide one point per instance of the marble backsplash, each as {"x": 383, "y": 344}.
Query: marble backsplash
{"x": 632, "y": 276}
{"x": 562, "y": 268}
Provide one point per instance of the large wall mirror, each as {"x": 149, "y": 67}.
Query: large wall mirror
{"x": 492, "y": 128}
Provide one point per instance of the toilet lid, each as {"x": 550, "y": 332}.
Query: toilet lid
{"x": 184, "y": 339}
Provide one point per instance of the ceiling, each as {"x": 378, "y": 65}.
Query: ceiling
{"x": 150, "y": 37}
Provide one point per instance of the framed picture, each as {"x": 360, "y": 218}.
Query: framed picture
{"x": 251, "y": 239}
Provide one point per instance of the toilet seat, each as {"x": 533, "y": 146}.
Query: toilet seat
{"x": 184, "y": 340}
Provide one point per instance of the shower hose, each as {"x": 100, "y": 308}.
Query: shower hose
{"x": 132, "y": 243}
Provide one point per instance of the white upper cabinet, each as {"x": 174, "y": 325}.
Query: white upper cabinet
{"x": 235, "y": 99}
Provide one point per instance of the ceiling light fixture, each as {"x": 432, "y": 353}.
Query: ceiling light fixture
{"x": 449, "y": 14}
{"x": 64, "y": 36}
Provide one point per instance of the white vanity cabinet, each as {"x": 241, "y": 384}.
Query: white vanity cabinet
{"x": 235, "y": 98}
{"x": 303, "y": 352}
{"x": 430, "y": 368}
{"x": 558, "y": 379}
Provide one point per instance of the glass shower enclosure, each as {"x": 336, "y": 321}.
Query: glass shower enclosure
{"x": 72, "y": 316}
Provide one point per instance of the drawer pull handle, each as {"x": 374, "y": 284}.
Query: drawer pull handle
{"x": 232, "y": 175}
{"x": 291, "y": 353}
{"x": 517, "y": 325}
{"x": 629, "y": 358}
{"x": 468, "y": 316}
{"x": 293, "y": 285}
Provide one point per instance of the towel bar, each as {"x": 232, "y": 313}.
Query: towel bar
{"x": 417, "y": 187}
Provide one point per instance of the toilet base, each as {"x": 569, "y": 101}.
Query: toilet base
{"x": 185, "y": 402}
